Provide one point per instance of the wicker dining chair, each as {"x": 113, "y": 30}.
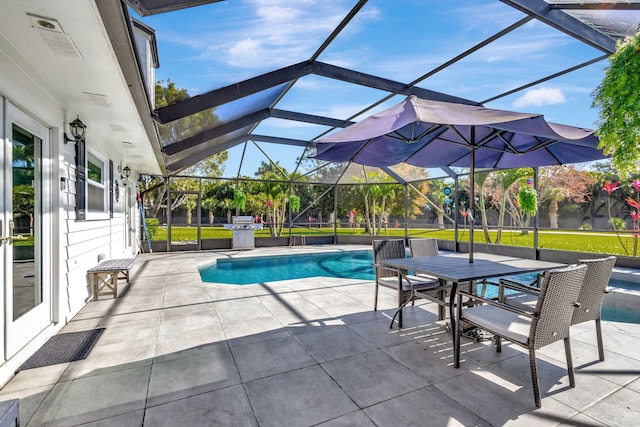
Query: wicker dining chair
{"x": 388, "y": 277}
{"x": 592, "y": 294}
{"x": 549, "y": 322}
{"x": 423, "y": 247}
{"x": 590, "y": 298}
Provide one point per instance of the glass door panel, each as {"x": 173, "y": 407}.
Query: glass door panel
{"x": 26, "y": 210}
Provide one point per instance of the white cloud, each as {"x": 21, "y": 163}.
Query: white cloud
{"x": 539, "y": 97}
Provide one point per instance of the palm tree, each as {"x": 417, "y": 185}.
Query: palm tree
{"x": 505, "y": 179}
{"x": 210, "y": 205}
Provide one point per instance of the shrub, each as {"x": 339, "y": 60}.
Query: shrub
{"x": 152, "y": 227}
{"x": 585, "y": 226}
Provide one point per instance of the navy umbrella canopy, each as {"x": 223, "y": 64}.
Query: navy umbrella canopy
{"x": 428, "y": 134}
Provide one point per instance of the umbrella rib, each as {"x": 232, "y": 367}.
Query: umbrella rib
{"x": 437, "y": 131}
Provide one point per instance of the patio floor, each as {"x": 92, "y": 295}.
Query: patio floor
{"x": 180, "y": 352}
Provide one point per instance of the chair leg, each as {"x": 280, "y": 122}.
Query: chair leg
{"x": 456, "y": 336}
{"x": 400, "y": 303}
{"x": 567, "y": 350}
{"x": 534, "y": 377}
{"x": 599, "y": 336}
{"x": 375, "y": 299}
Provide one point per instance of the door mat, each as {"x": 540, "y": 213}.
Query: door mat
{"x": 63, "y": 348}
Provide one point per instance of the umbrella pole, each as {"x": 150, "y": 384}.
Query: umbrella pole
{"x": 471, "y": 216}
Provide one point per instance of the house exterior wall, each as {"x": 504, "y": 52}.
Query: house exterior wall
{"x": 76, "y": 245}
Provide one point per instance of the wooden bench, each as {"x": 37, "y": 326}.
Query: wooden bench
{"x": 107, "y": 273}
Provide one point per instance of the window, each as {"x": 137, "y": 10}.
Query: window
{"x": 95, "y": 183}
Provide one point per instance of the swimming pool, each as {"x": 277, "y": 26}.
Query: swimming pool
{"x": 245, "y": 271}
{"x": 351, "y": 265}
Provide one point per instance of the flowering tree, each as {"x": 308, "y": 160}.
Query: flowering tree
{"x": 635, "y": 214}
{"x": 618, "y": 223}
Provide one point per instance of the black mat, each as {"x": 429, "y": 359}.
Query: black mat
{"x": 63, "y": 348}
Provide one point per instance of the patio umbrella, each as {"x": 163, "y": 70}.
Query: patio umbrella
{"x": 428, "y": 133}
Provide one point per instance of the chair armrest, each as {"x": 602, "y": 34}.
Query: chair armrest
{"x": 516, "y": 286}
{"x": 494, "y": 303}
{"x": 385, "y": 267}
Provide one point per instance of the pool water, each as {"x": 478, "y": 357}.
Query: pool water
{"x": 348, "y": 265}
{"x": 244, "y": 271}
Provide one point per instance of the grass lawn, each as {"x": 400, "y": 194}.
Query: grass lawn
{"x": 596, "y": 242}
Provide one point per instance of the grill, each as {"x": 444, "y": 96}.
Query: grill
{"x": 242, "y": 227}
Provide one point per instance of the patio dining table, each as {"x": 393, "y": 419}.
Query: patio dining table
{"x": 455, "y": 268}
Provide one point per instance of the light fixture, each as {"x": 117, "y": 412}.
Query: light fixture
{"x": 126, "y": 173}
{"x": 78, "y": 130}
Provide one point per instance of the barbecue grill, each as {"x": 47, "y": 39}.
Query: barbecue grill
{"x": 242, "y": 227}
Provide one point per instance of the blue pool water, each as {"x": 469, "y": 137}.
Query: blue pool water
{"x": 243, "y": 271}
{"x": 349, "y": 265}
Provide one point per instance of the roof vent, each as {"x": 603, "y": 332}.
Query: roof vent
{"x": 117, "y": 128}
{"x": 53, "y": 35}
{"x": 98, "y": 99}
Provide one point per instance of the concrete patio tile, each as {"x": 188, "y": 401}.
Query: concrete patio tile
{"x": 292, "y": 308}
{"x": 254, "y": 330}
{"x": 130, "y": 419}
{"x": 431, "y": 357}
{"x": 554, "y": 381}
{"x": 365, "y": 315}
{"x": 581, "y": 420}
{"x": 377, "y": 332}
{"x": 270, "y": 357}
{"x": 131, "y": 319}
{"x": 354, "y": 419}
{"x": 225, "y": 407}
{"x": 168, "y": 346}
{"x": 77, "y": 402}
{"x": 618, "y": 338}
{"x": 499, "y": 400}
{"x": 635, "y": 386}
{"x": 302, "y": 397}
{"x": 343, "y": 310}
{"x": 333, "y": 343}
{"x": 129, "y": 332}
{"x": 242, "y": 310}
{"x": 427, "y": 406}
{"x": 191, "y": 375}
{"x": 615, "y": 367}
{"x": 179, "y": 295}
{"x": 180, "y": 323}
{"x": 36, "y": 377}
{"x": 313, "y": 325}
{"x": 82, "y": 325}
{"x": 220, "y": 292}
{"x": 112, "y": 357}
{"x": 372, "y": 377}
{"x": 619, "y": 409}
{"x": 29, "y": 400}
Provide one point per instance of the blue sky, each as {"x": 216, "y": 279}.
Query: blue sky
{"x": 211, "y": 46}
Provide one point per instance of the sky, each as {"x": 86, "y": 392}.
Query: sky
{"x": 211, "y": 46}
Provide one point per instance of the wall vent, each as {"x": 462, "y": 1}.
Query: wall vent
{"x": 53, "y": 35}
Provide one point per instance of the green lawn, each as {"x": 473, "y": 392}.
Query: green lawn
{"x": 605, "y": 243}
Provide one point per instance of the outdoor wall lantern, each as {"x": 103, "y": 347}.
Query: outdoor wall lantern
{"x": 78, "y": 130}
{"x": 126, "y": 173}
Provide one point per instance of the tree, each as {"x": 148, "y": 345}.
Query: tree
{"x": 167, "y": 93}
{"x": 505, "y": 180}
{"x": 563, "y": 183}
{"x": 480, "y": 180}
{"x": 618, "y": 97}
